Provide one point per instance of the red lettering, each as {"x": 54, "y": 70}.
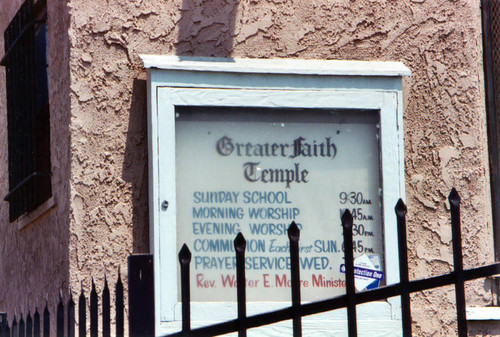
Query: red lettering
{"x": 202, "y": 283}
{"x": 266, "y": 281}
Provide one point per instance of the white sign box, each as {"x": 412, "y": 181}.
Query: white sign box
{"x": 250, "y": 146}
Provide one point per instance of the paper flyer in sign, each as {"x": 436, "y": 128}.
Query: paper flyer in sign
{"x": 364, "y": 262}
{"x": 367, "y": 272}
{"x": 376, "y": 262}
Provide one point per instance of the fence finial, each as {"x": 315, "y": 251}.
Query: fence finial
{"x": 185, "y": 255}
{"x": 400, "y": 208}
{"x": 293, "y": 231}
{"x": 454, "y": 197}
{"x": 106, "y": 281}
{"x": 347, "y": 220}
{"x": 240, "y": 243}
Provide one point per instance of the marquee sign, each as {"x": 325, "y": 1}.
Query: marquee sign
{"x": 249, "y": 146}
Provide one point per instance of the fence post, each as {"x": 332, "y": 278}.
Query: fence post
{"x": 29, "y": 325}
{"x": 403, "y": 268}
{"x": 46, "y": 320}
{"x": 94, "y": 308}
{"x": 141, "y": 295}
{"x": 293, "y": 237}
{"x": 185, "y": 260}
{"x": 14, "y": 327}
{"x": 71, "y": 315}
{"x": 240, "y": 245}
{"x": 60, "y": 317}
{"x": 119, "y": 306}
{"x": 352, "y": 324}
{"x": 82, "y": 314}
{"x": 458, "y": 267}
{"x": 106, "y": 309}
{"x": 36, "y": 323}
{"x": 22, "y": 328}
{"x": 3, "y": 323}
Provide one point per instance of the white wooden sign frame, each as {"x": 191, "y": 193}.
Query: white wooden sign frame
{"x": 174, "y": 81}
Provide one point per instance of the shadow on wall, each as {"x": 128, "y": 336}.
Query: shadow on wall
{"x": 206, "y": 28}
{"x": 135, "y": 166}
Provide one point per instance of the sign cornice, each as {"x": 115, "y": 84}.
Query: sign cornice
{"x": 276, "y": 66}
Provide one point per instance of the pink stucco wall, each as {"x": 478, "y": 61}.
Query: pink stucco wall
{"x": 444, "y": 120}
{"x": 99, "y": 133}
{"x": 34, "y": 260}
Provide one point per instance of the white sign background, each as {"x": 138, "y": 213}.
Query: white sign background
{"x": 350, "y": 179}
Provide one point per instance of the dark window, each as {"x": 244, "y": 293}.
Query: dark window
{"x": 25, "y": 61}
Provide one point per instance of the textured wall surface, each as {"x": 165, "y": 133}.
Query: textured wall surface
{"x": 105, "y": 123}
{"x": 34, "y": 260}
{"x": 444, "y": 119}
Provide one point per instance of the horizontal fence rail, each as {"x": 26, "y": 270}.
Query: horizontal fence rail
{"x": 82, "y": 318}
{"x": 352, "y": 298}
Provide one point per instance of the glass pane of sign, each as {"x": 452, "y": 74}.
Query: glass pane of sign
{"x": 255, "y": 170}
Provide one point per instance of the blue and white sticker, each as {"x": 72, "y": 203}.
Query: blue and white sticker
{"x": 367, "y": 272}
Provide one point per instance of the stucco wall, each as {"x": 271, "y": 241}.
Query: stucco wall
{"x": 34, "y": 260}
{"x": 444, "y": 113}
{"x": 103, "y": 124}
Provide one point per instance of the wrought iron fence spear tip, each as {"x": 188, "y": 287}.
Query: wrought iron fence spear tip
{"x": 400, "y": 208}
{"x": 240, "y": 243}
{"x": 454, "y": 197}
{"x": 293, "y": 231}
{"x": 184, "y": 255}
{"x": 347, "y": 219}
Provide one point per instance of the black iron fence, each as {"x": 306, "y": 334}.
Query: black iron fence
{"x": 141, "y": 309}
{"x": 141, "y": 294}
{"x": 352, "y": 298}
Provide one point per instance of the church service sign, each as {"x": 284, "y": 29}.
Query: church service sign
{"x": 255, "y": 171}
{"x": 248, "y": 146}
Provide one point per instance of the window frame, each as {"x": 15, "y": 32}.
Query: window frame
{"x": 28, "y": 111}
